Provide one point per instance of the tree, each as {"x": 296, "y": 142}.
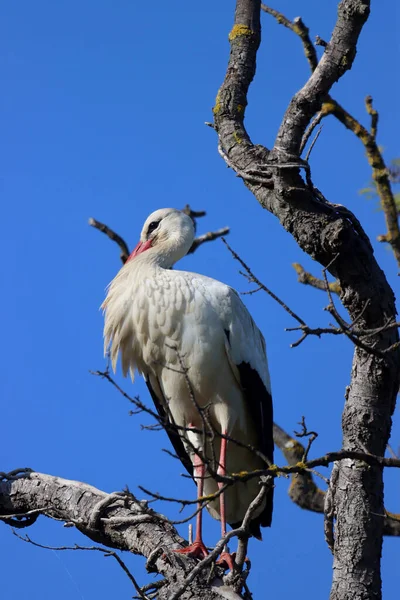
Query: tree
{"x": 281, "y": 181}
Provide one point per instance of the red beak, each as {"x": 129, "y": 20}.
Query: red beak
{"x": 141, "y": 247}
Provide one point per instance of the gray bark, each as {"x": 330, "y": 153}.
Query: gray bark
{"x": 125, "y": 525}
{"x": 303, "y": 490}
{"x": 327, "y": 233}
{"x": 332, "y": 236}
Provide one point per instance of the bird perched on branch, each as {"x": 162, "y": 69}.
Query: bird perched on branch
{"x": 204, "y": 362}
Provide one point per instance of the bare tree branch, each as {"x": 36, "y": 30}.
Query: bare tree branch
{"x": 380, "y": 172}
{"x": 298, "y": 27}
{"x": 208, "y": 237}
{"x": 325, "y": 230}
{"x": 308, "y": 279}
{"x": 303, "y": 490}
{"x": 75, "y": 503}
{"x": 113, "y": 236}
{"x": 355, "y": 335}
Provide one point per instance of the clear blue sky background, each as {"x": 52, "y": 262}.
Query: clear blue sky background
{"x": 102, "y": 114}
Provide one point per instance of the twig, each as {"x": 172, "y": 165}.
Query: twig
{"x": 193, "y": 214}
{"x": 261, "y": 174}
{"x": 316, "y": 120}
{"x": 253, "y": 279}
{"x": 319, "y": 284}
{"x": 298, "y": 27}
{"x": 202, "y": 499}
{"x": 113, "y": 236}
{"x": 374, "y": 116}
{"x": 312, "y": 436}
{"x": 181, "y": 430}
{"x": 380, "y": 172}
{"x": 299, "y": 467}
{"x": 154, "y": 586}
{"x": 320, "y": 42}
{"x": 210, "y": 558}
{"x": 313, "y": 143}
{"x": 317, "y": 331}
{"x": 349, "y": 331}
{"x": 263, "y": 178}
{"x": 103, "y": 504}
{"x": 244, "y": 538}
{"x": 135, "y": 520}
{"x": 208, "y": 237}
{"x": 106, "y": 552}
{"x": 28, "y": 518}
{"x": 242, "y": 533}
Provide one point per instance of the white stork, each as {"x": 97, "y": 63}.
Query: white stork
{"x": 157, "y": 318}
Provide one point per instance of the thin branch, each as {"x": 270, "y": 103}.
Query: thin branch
{"x": 303, "y": 491}
{"x": 312, "y": 436}
{"x": 241, "y": 532}
{"x": 298, "y": 27}
{"x": 308, "y": 279}
{"x": 106, "y": 552}
{"x": 253, "y": 507}
{"x": 208, "y": 237}
{"x": 205, "y": 562}
{"x": 193, "y": 214}
{"x": 374, "y": 116}
{"x": 75, "y": 502}
{"x": 310, "y": 496}
{"x": 113, "y": 236}
{"x": 306, "y": 136}
{"x": 380, "y": 172}
{"x": 253, "y": 279}
{"x": 313, "y": 143}
{"x": 208, "y": 430}
{"x": 355, "y": 335}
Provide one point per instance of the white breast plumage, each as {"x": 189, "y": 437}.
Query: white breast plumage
{"x": 192, "y": 337}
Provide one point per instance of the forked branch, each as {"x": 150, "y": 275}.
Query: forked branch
{"x": 380, "y": 172}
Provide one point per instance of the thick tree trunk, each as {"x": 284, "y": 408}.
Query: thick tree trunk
{"x": 331, "y": 235}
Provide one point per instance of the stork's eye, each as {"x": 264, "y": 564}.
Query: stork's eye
{"x": 152, "y": 226}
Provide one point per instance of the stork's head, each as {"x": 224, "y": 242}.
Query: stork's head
{"x": 167, "y": 234}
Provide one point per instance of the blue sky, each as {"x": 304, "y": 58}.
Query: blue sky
{"x": 102, "y": 114}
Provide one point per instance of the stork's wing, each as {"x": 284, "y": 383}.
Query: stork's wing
{"x": 172, "y": 433}
{"x": 246, "y": 351}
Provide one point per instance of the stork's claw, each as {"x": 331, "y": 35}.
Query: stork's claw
{"x": 195, "y": 550}
{"x": 227, "y": 560}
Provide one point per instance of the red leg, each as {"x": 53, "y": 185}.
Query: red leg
{"x": 226, "y": 559}
{"x": 197, "y": 549}
{"x": 222, "y": 471}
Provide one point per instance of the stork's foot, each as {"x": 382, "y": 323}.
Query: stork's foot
{"x": 227, "y": 560}
{"x": 195, "y": 550}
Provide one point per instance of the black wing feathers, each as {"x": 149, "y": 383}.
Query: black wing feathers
{"x": 173, "y": 435}
{"x": 259, "y": 403}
